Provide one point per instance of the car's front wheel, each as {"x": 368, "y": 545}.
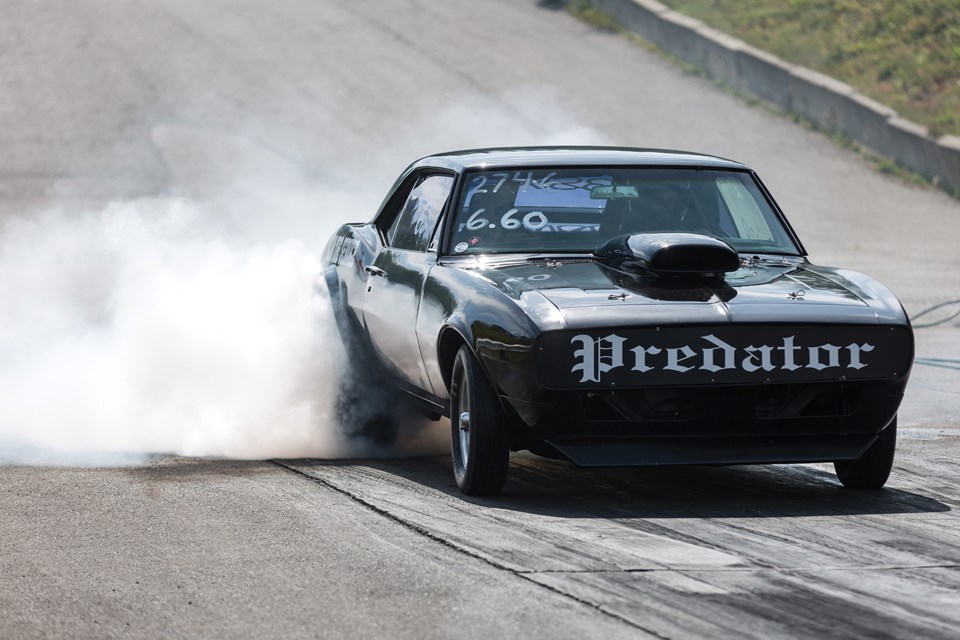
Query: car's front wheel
{"x": 478, "y": 428}
{"x": 871, "y": 470}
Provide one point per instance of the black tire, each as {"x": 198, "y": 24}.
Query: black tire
{"x": 366, "y": 411}
{"x": 367, "y": 403}
{"x": 478, "y": 428}
{"x": 871, "y": 470}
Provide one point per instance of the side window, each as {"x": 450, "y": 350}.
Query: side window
{"x": 414, "y": 227}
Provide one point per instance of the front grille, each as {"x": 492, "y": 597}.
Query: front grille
{"x": 766, "y": 402}
{"x": 710, "y": 411}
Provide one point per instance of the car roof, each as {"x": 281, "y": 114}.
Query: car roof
{"x": 572, "y": 156}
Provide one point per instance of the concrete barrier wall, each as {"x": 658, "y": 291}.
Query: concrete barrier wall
{"x": 831, "y": 105}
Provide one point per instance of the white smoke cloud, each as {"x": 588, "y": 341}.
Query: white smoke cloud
{"x": 137, "y": 329}
{"x": 193, "y": 324}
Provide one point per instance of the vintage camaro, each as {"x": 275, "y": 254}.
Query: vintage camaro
{"x": 618, "y": 306}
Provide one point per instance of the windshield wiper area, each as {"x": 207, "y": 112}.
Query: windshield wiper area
{"x": 774, "y": 259}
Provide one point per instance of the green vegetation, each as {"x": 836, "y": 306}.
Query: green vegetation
{"x": 594, "y": 17}
{"x": 902, "y": 53}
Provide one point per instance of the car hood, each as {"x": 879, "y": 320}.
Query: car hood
{"x": 585, "y": 292}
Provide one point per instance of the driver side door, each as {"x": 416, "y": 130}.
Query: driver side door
{"x": 397, "y": 276}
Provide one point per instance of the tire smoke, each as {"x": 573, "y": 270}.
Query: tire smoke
{"x": 193, "y": 324}
{"x": 140, "y": 329}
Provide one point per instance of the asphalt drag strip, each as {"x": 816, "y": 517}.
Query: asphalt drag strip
{"x": 720, "y": 552}
{"x": 206, "y": 548}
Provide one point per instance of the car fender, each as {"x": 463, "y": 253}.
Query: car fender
{"x": 878, "y": 296}
{"x": 498, "y": 330}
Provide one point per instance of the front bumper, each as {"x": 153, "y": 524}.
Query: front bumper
{"x": 711, "y": 425}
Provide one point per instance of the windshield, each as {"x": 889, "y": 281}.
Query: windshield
{"x": 579, "y": 210}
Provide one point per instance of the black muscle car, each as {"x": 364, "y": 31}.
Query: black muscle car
{"x": 618, "y": 306}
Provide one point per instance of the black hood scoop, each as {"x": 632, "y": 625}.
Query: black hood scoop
{"x": 669, "y": 254}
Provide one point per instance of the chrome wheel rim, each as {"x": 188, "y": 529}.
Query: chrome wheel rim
{"x": 463, "y": 423}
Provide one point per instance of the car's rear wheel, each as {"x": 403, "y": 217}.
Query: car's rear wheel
{"x": 478, "y": 428}
{"x": 871, "y": 470}
{"x": 366, "y": 403}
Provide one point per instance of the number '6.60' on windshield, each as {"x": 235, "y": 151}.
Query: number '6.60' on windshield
{"x": 532, "y": 220}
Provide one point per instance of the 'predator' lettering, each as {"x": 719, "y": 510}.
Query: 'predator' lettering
{"x": 597, "y": 356}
